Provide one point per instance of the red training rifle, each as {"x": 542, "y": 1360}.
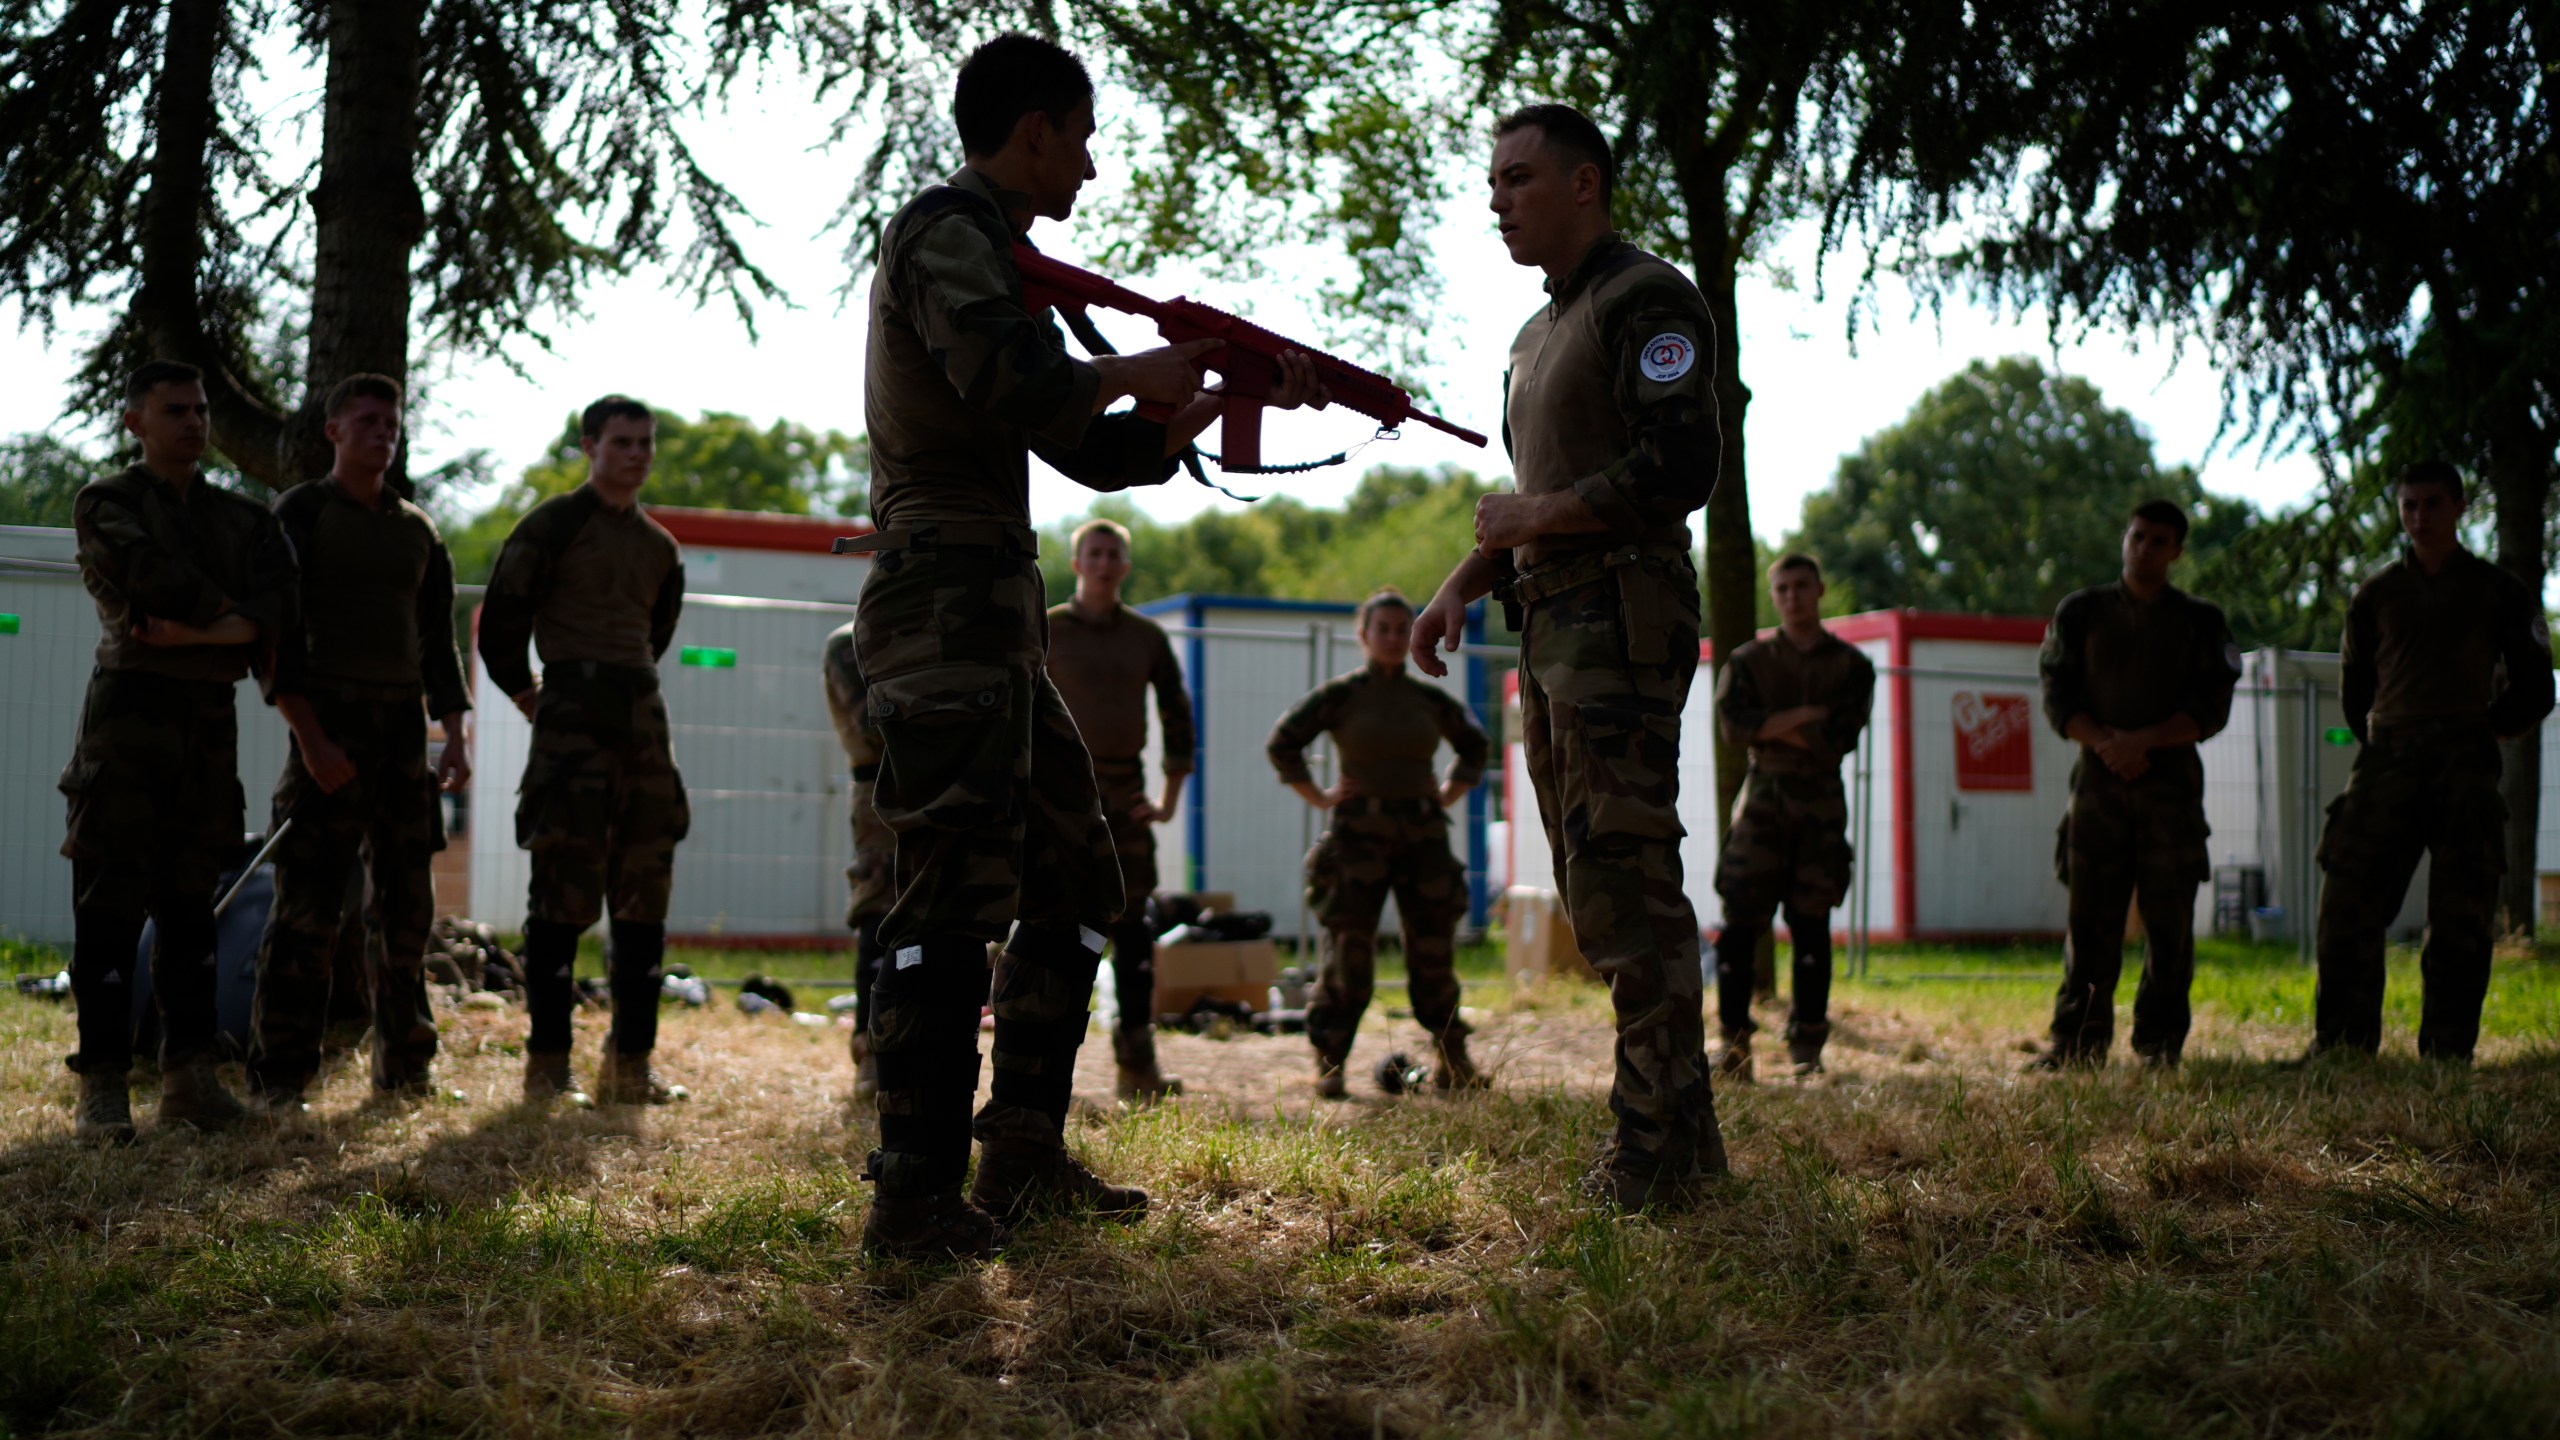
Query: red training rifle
{"x": 1249, "y": 365}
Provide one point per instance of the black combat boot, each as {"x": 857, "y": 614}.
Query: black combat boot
{"x": 1455, "y": 1071}
{"x": 547, "y": 1079}
{"x": 1024, "y": 1171}
{"x": 918, "y": 1213}
{"x": 192, "y": 1094}
{"x": 105, "y": 1112}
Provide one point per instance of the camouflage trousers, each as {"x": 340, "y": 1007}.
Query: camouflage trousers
{"x": 1133, "y": 940}
{"x": 2433, "y": 792}
{"x": 1605, "y": 670}
{"x": 602, "y": 806}
{"x": 1787, "y": 848}
{"x": 2122, "y": 844}
{"x": 155, "y": 816}
{"x": 1372, "y": 848}
{"x": 987, "y": 784}
{"x": 387, "y": 825}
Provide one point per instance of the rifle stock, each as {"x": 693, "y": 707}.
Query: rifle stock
{"x": 1248, "y": 365}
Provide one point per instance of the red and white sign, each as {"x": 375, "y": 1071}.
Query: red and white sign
{"x": 1995, "y": 742}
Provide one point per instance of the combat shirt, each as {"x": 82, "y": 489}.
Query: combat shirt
{"x": 874, "y": 844}
{"x": 1768, "y": 675}
{"x": 962, "y": 382}
{"x": 586, "y": 582}
{"x": 2129, "y": 664}
{"x": 1611, "y": 395}
{"x": 147, "y": 550}
{"x": 374, "y": 609}
{"x": 1103, "y": 668}
{"x": 2423, "y": 647}
{"x": 1386, "y": 727}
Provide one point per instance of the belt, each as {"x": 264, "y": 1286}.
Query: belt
{"x": 1572, "y": 572}
{"x": 1359, "y": 805}
{"x": 995, "y": 536}
{"x": 361, "y": 692}
{"x": 629, "y": 676}
{"x": 2443, "y": 727}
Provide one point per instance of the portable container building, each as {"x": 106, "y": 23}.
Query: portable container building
{"x": 1246, "y": 661}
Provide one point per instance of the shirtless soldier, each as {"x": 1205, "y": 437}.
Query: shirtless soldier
{"x": 1610, "y": 417}
{"x": 595, "y": 585}
{"x": 2136, "y": 673}
{"x": 192, "y": 583}
{"x": 1798, "y": 699}
{"x": 983, "y": 777}
{"x": 2427, "y": 640}
{"x": 1104, "y": 657}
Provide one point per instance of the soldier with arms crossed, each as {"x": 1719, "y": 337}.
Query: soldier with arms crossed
{"x": 2136, "y": 673}
{"x": 192, "y": 583}
{"x": 596, "y": 586}
{"x": 983, "y": 778}
{"x": 2446, "y": 655}
{"x": 370, "y": 637}
{"x": 1798, "y": 699}
{"x": 873, "y": 845}
{"x": 1610, "y": 418}
{"x": 1386, "y": 830}
{"x": 1104, "y": 657}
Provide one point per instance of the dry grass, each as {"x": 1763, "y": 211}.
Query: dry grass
{"x": 1921, "y": 1243}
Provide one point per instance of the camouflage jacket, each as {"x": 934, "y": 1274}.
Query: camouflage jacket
{"x": 374, "y": 608}
{"x": 1769, "y": 675}
{"x": 148, "y": 551}
{"x": 2423, "y": 647}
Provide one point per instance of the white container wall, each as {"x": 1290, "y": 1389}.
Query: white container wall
{"x": 1247, "y": 661}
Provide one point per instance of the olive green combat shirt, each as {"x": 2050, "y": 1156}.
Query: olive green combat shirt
{"x": 1103, "y": 668}
{"x": 147, "y": 550}
{"x": 2429, "y": 648}
{"x": 1611, "y": 395}
{"x": 1386, "y": 727}
{"x": 1768, "y": 675}
{"x": 2130, "y": 664}
{"x": 585, "y": 582}
{"x": 373, "y": 613}
{"x": 962, "y": 382}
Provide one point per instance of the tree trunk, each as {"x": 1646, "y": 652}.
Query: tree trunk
{"x": 370, "y": 215}
{"x": 2520, "y": 463}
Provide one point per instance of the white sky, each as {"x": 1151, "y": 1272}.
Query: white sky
{"x": 1814, "y": 399}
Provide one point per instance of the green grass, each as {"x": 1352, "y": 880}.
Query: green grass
{"x": 1922, "y": 1243}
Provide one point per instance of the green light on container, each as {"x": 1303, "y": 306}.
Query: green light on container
{"x": 8, "y": 624}
{"x": 710, "y": 657}
{"x": 2338, "y": 735}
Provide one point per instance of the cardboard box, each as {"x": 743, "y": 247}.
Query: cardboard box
{"x": 1241, "y": 971}
{"x": 1538, "y": 940}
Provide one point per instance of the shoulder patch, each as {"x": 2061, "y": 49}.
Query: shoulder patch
{"x": 1667, "y": 356}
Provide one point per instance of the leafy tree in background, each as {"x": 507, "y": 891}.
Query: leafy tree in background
{"x": 39, "y": 475}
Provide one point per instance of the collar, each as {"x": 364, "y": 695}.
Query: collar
{"x": 1078, "y": 614}
{"x": 386, "y": 499}
{"x": 152, "y": 477}
{"x": 1607, "y": 247}
{"x": 2409, "y": 558}
{"x": 1007, "y": 202}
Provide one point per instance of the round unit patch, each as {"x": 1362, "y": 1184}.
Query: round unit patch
{"x": 1668, "y": 356}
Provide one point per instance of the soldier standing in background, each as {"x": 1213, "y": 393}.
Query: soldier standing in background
{"x": 596, "y": 586}
{"x": 1798, "y": 699}
{"x": 1386, "y": 830}
{"x": 1104, "y": 657}
{"x": 2426, "y": 640}
{"x": 983, "y": 777}
{"x": 192, "y": 583}
{"x": 874, "y": 848}
{"x": 370, "y": 636}
{"x": 2136, "y": 673}
{"x": 1610, "y": 417}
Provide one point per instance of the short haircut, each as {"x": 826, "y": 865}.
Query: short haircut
{"x": 1385, "y": 597}
{"x": 366, "y": 386}
{"x": 1009, "y": 77}
{"x": 2163, "y": 512}
{"x": 1096, "y": 525}
{"x": 609, "y": 409}
{"x": 1570, "y": 133}
{"x": 1797, "y": 560}
{"x": 153, "y": 375}
{"x": 2435, "y": 472}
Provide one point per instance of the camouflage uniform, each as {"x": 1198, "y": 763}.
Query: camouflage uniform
{"x": 601, "y": 806}
{"x": 156, "y": 809}
{"x": 2129, "y": 664}
{"x": 1104, "y": 668}
{"x": 2421, "y": 667}
{"x": 1610, "y": 395}
{"x": 1393, "y": 835}
{"x": 983, "y": 776}
{"x": 369, "y": 638}
{"x": 1788, "y": 845}
{"x": 874, "y": 848}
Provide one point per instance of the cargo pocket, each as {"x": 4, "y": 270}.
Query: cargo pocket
{"x": 86, "y": 836}
{"x": 950, "y": 747}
